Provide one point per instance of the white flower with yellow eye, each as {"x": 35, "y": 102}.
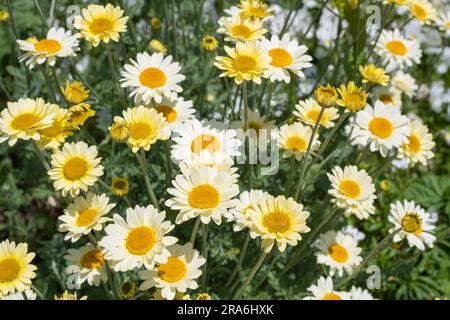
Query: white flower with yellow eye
{"x": 58, "y": 43}
{"x": 338, "y": 251}
{"x": 85, "y": 264}
{"x": 208, "y": 159}
{"x": 423, "y": 11}
{"x": 405, "y": 83}
{"x": 419, "y": 148}
{"x": 152, "y": 77}
{"x": 240, "y": 214}
{"x": 294, "y": 138}
{"x": 443, "y": 22}
{"x": 287, "y": 55}
{"x": 323, "y": 290}
{"x": 140, "y": 240}
{"x": 382, "y": 127}
{"x": 84, "y": 215}
{"x": 360, "y": 294}
{"x": 178, "y": 274}
{"x": 237, "y": 28}
{"x": 308, "y": 110}
{"x": 388, "y": 96}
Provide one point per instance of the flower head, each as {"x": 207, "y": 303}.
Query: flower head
{"x": 326, "y": 96}
{"x": 78, "y": 114}
{"x": 373, "y": 74}
{"x": 210, "y": 43}
{"x": 120, "y": 186}
{"x": 75, "y": 92}
{"x": 352, "y": 98}
{"x": 157, "y": 46}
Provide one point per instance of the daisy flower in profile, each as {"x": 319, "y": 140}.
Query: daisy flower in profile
{"x": 338, "y": 251}
{"x": 69, "y": 296}
{"x": 382, "y": 127}
{"x": 152, "y": 77}
{"x": 27, "y": 294}
{"x": 287, "y": 55}
{"x": 405, "y": 83}
{"x": 419, "y": 148}
{"x": 360, "y": 294}
{"x": 394, "y": 47}
{"x": 140, "y": 240}
{"x": 256, "y": 122}
{"x": 326, "y": 96}
{"x": 118, "y": 130}
{"x": 75, "y": 92}
{"x": 248, "y": 61}
{"x": 59, "y": 43}
{"x": 390, "y": 96}
{"x": 352, "y": 98}
{"x": 85, "y": 264}
{"x": 210, "y": 43}
{"x": 237, "y": 28}
{"x": 178, "y": 274}
{"x": 372, "y": 74}
{"x": 23, "y": 120}
{"x": 205, "y": 192}
{"x": 443, "y": 22}
{"x": 175, "y": 111}
{"x": 308, "y": 110}
{"x": 120, "y": 186}
{"x": 323, "y": 290}
{"x": 16, "y": 270}
{"x": 52, "y": 137}
{"x": 78, "y": 114}
{"x": 278, "y": 220}
{"x": 144, "y": 126}
{"x": 415, "y": 224}
{"x": 294, "y": 139}
{"x": 101, "y": 23}
{"x": 193, "y": 137}
{"x": 423, "y": 11}
{"x": 84, "y": 215}
{"x": 75, "y": 167}
{"x": 240, "y": 214}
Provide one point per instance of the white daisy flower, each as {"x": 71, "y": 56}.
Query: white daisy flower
{"x": 323, "y": 290}
{"x": 208, "y": 159}
{"x": 405, "y": 83}
{"x": 139, "y": 240}
{"x": 85, "y": 264}
{"x": 58, "y": 43}
{"x": 27, "y": 294}
{"x": 419, "y": 146}
{"x": 423, "y": 11}
{"x": 205, "y": 192}
{"x": 414, "y": 222}
{"x": 382, "y": 127}
{"x": 308, "y": 110}
{"x": 256, "y": 122}
{"x": 237, "y": 28}
{"x": 294, "y": 139}
{"x": 152, "y": 77}
{"x": 338, "y": 251}
{"x": 240, "y": 214}
{"x": 178, "y": 274}
{"x": 360, "y": 294}
{"x": 388, "y": 95}
{"x": 444, "y": 22}
{"x": 287, "y": 55}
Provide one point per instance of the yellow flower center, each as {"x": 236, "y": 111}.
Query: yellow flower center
{"x": 204, "y": 196}
{"x": 354, "y": 101}
{"x": 313, "y": 115}
{"x": 338, "y": 253}
{"x": 397, "y": 47}
{"x": 153, "y": 78}
{"x": 168, "y": 112}
{"x": 296, "y": 143}
{"x": 280, "y": 58}
{"x": 414, "y": 144}
{"x": 172, "y": 271}
{"x": 75, "y": 168}
{"x": 419, "y": 11}
{"x": 331, "y": 296}
{"x": 140, "y": 240}
{"x": 245, "y": 213}
{"x": 120, "y": 185}
{"x": 205, "y": 142}
{"x": 277, "y": 222}
{"x": 244, "y": 63}
{"x": 241, "y": 30}
{"x": 24, "y": 121}
{"x": 381, "y": 127}
{"x": 386, "y": 99}
{"x": 86, "y": 217}
{"x": 140, "y": 130}
{"x": 101, "y": 25}
{"x": 257, "y": 12}
{"x": 48, "y": 45}
{"x": 92, "y": 259}
{"x": 412, "y": 223}
{"x": 9, "y": 270}
{"x": 350, "y": 188}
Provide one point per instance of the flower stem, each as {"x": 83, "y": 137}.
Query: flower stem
{"x": 143, "y": 163}
{"x": 204, "y": 253}
{"x": 240, "y": 259}
{"x": 342, "y": 118}
{"x": 247, "y": 281}
{"x": 194, "y": 231}
{"x": 41, "y": 156}
{"x": 113, "y": 69}
{"x": 247, "y": 138}
{"x": 49, "y": 84}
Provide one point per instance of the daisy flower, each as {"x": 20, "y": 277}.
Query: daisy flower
{"x": 307, "y": 111}
{"x": 415, "y": 224}
{"x": 294, "y": 139}
{"x": 278, "y": 220}
{"x": 16, "y": 270}
{"x": 405, "y": 83}
{"x": 373, "y": 74}
{"x": 443, "y": 22}
{"x": 84, "y": 215}
{"x": 101, "y": 23}
{"x": 59, "y": 43}
{"x": 236, "y": 28}
{"x": 27, "y": 294}
{"x": 423, "y": 11}
{"x": 210, "y": 43}
{"x": 205, "y": 192}
{"x": 326, "y": 96}
{"x": 75, "y": 167}
{"x": 156, "y": 46}
{"x": 78, "y": 114}
{"x": 178, "y": 274}
{"x": 394, "y": 47}
{"x": 388, "y": 96}
{"x": 118, "y": 130}
{"x": 152, "y": 77}
{"x": 53, "y": 136}
{"x": 382, "y": 127}
{"x": 248, "y": 61}
{"x": 338, "y": 251}
{"x": 75, "y": 92}
{"x": 128, "y": 290}
{"x": 287, "y": 55}
{"x": 256, "y": 122}
{"x": 85, "y": 264}
{"x": 157, "y": 295}
{"x": 208, "y": 159}
{"x": 23, "y": 120}
{"x": 254, "y": 9}
{"x": 120, "y": 186}
{"x": 352, "y": 98}
{"x": 323, "y": 290}
{"x": 419, "y": 146}
{"x": 140, "y": 240}
{"x": 360, "y": 294}
{"x": 240, "y": 214}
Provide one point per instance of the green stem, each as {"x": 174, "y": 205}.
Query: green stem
{"x": 342, "y": 118}
{"x": 247, "y": 139}
{"x": 194, "y": 231}
{"x": 38, "y": 292}
{"x": 269, "y": 100}
{"x": 247, "y": 281}
{"x": 49, "y": 84}
{"x": 41, "y": 14}
{"x": 143, "y": 163}
{"x": 58, "y": 84}
{"x": 240, "y": 259}
{"x": 41, "y": 156}
{"x": 113, "y": 69}
{"x": 205, "y": 253}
